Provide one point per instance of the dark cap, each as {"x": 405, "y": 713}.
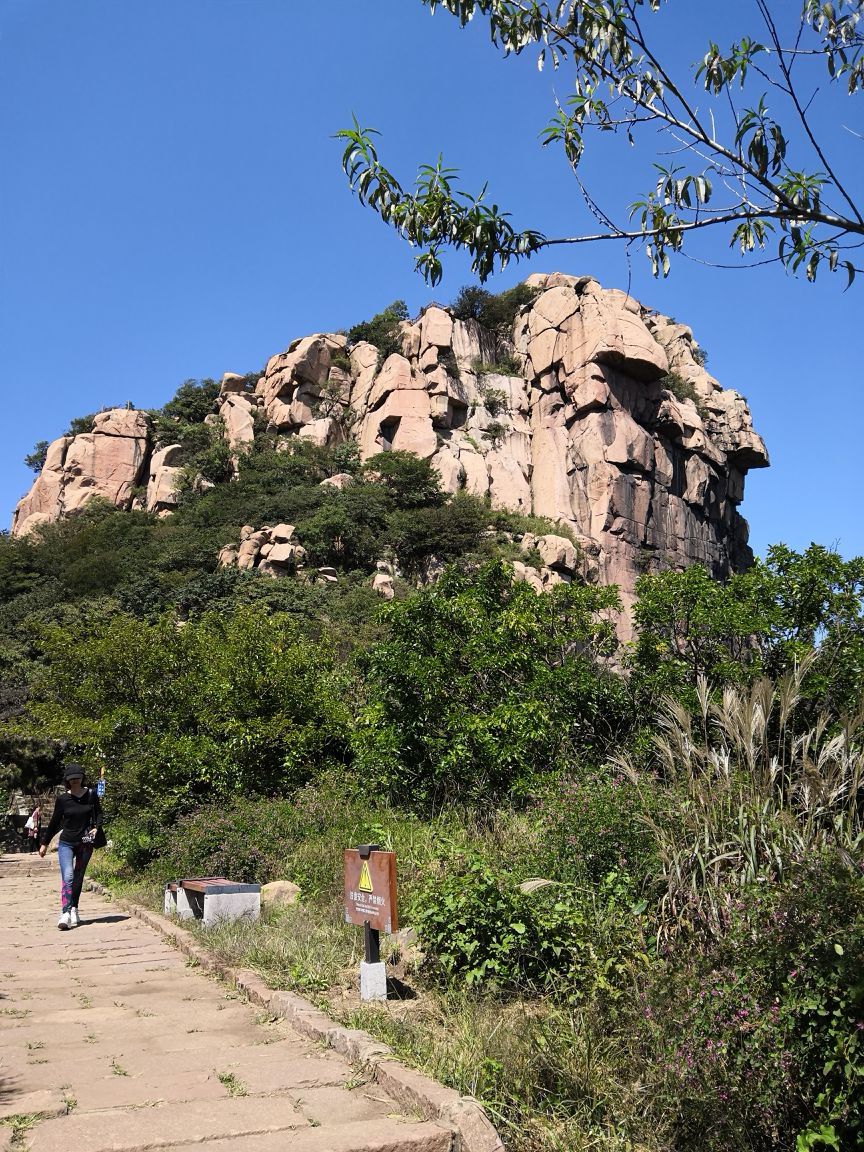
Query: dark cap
{"x": 73, "y": 770}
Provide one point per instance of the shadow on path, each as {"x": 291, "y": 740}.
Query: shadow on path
{"x": 8, "y": 1089}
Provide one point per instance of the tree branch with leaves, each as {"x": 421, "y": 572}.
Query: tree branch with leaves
{"x": 741, "y": 125}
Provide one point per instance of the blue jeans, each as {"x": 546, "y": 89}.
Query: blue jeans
{"x": 73, "y": 860}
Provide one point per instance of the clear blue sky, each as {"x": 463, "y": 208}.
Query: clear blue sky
{"x": 171, "y": 205}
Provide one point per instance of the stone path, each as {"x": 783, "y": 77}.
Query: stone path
{"x": 113, "y": 1044}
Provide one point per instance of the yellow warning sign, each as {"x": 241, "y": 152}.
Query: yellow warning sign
{"x": 365, "y": 881}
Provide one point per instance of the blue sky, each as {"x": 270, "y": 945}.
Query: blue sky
{"x": 171, "y": 206}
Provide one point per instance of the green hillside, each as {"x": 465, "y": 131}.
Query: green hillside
{"x": 635, "y": 873}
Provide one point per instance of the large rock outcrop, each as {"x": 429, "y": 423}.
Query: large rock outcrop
{"x": 597, "y": 414}
{"x": 606, "y": 421}
{"x": 109, "y": 462}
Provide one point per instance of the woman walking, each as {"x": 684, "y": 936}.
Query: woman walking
{"x": 77, "y": 817}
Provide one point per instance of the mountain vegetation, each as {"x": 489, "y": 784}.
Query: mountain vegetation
{"x": 636, "y": 873}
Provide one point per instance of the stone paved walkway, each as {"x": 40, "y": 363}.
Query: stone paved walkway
{"x": 114, "y": 1044}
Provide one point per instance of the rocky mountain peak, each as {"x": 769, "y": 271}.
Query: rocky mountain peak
{"x": 592, "y": 411}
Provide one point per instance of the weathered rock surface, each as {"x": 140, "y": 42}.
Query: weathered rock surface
{"x": 108, "y": 462}
{"x": 164, "y": 476}
{"x": 272, "y": 551}
{"x": 610, "y": 426}
{"x": 279, "y": 892}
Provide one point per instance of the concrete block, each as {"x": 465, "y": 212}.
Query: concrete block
{"x": 373, "y": 981}
{"x": 219, "y": 907}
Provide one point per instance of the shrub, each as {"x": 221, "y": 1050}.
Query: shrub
{"x": 594, "y": 826}
{"x": 480, "y": 685}
{"x": 36, "y": 458}
{"x": 447, "y": 360}
{"x": 495, "y": 400}
{"x": 690, "y": 625}
{"x": 411, "y": 481}
{"x": 348, "y": 528}
{"x": 445, "y": 531}
{"x": 346, "y": 458}
{"x": 247, "y": 839}
{"x": 202, "y": 447}
{"x": 496, "y": 313}
{"x": 382, "y": 330}
{"x": 760, "y": 1041}
{"x": 507, "y": 365}
{"x": 479, "y": 927}
{"x": 215, "y": 463}
{"x": 193, "y": 401}
{"x": 470, "y": 302}
{"x": 332, "y": 402}
{"x": 496, "y": 431}
{"x": 80, "y": 425}
{"x": 682, "y": 390}
{"x": 227, "y": 705}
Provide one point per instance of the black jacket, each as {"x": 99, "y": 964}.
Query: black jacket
{"x": 73, "y": 815}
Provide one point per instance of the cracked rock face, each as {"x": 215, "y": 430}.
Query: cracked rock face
{"x": 108, "y": 462}
{"x": 598, "y": 414}
{"x": 607, "y": 422}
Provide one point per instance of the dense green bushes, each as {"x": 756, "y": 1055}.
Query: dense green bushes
{"x": 757, "y": 623}
{"x": 382, "y": 330}
{"x": 480, "y": 686}
{"x": 760, "y": 1040}
{"x": 495, "y": 312}
{"x": 243, "y": 705}
{"x": 481, "y": 929}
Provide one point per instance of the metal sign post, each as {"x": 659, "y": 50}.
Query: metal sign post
{"x": 370, "y": 900}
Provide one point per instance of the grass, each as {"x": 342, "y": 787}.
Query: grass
{"x": 233, "y": 1085}
{"x": 290, "y": 948}
{"x": 118, "y": 1069}
{"x": 548, "y": 1077}
{"x": 20, "y": 1125}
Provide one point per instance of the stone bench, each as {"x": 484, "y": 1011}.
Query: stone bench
{"x": 212, "y": 900}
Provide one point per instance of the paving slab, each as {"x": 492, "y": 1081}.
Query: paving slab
{"x": 366, "y": 1137}
{"x": 118, "y": 1045}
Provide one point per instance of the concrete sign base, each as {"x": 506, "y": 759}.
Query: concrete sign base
{"x": 373, "y": 981}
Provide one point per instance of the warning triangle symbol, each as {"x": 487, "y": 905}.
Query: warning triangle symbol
{"x": 365, "y": 881}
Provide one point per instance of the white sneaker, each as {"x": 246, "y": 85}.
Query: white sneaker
{"x": 74, "y": 918}
{"x": 65, "y": 922}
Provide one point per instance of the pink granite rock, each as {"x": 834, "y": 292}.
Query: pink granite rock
{"x": 108, "y": 463}
{"x": 594, "y": 434}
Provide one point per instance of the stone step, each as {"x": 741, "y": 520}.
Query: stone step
{"x": 378, "y": 1136}
{"x": 105, "y": 1078}
{"x": 257, "y": 1124}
